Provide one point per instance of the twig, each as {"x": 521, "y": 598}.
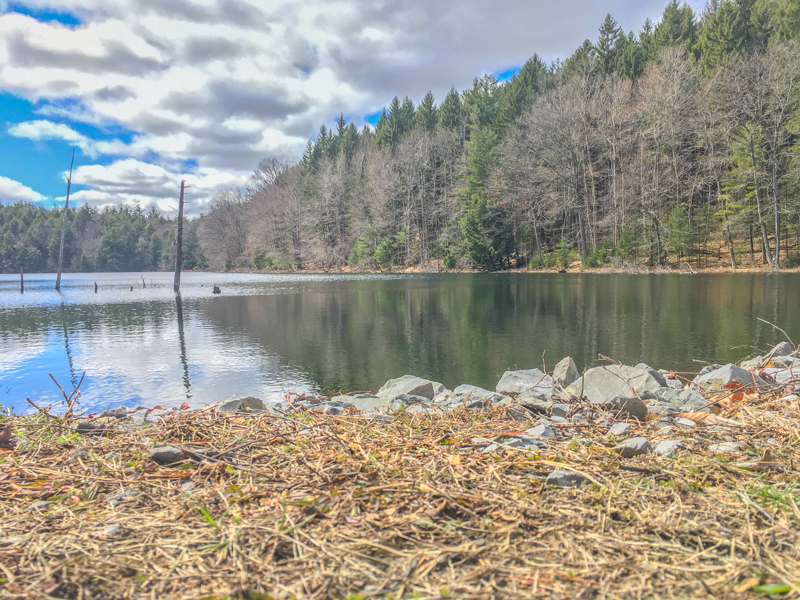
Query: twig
{"x": 779, "y": 329}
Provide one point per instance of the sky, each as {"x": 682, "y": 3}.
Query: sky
{"x": 150, "y": 92}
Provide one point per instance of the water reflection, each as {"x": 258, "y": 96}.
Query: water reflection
{"x": 267, "y": 335}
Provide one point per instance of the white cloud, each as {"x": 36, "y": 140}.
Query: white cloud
{"x": 132, "y": 181}
{"x": 13, "y": 191}
{"x": 225, "y": 82}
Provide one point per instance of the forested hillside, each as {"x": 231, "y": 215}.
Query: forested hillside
{"x": 673, "y": 144}
{"x": 116, "y": 239}
{"x": 679, "y": 143}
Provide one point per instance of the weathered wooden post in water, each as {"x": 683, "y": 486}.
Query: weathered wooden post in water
{"x": 64, "y": 225}
{"x": 179, "y": 250}
{"x": 21, "y": 280}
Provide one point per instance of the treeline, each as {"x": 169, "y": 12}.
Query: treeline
{"x": 121, "y": 238}
{"x": 672, "y": 143}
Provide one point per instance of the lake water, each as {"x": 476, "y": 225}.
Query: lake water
{"x": 266, "y": 335}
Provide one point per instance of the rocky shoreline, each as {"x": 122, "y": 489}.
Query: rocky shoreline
{"x": 623, "y": 481}
{"x": 555, "y": 405}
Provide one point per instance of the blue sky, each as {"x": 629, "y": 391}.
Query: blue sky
{"x": 152, "y": 92}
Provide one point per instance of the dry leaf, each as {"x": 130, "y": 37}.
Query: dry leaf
{"x": 453, "y": 459}
{"x": 702, "y": 418}
{"x": 746, "y": 585}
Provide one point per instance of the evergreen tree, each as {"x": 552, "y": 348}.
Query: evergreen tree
{"x": 427, "y": 114}
{"x": 607, "y": 44}
{"x": 451, "y": 112}
{"x": 520, "y": 91}
{"x": 678, "y": 27}
{"x": 629, "y": 57}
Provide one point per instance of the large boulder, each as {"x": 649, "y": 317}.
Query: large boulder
{"x": 473, "y": 392}
{"x": 411, "y": 385}
{"x": 600, "y": 385}
{"x": 565, "y": 373}
{"x": 726, "y": 377}
{"x": 662, "y": 381}
{"x": 531, "y": 382}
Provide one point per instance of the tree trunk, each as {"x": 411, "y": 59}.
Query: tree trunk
{"x": 762, "y": 224}
{"x": 730, "y": 242}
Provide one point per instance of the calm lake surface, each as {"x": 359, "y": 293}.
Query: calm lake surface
{"x": 270, "y": 334}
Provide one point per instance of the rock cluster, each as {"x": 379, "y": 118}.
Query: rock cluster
{"x": 621, "y": 400}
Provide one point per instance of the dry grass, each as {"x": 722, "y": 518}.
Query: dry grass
{"x": 318, "y": 506}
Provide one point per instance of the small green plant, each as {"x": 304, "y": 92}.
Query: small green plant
{"x": 564, "y": 254}
{"x": 384, "y": 253}
{"x": 791, "y": 261}
{"x": 206, "y": 516}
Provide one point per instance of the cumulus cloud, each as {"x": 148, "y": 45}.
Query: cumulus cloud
{"x": 14, "y": 191}
{"x": 222, "y": 83}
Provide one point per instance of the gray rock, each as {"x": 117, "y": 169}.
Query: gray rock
{"x": 542, "y": 430}
{"x": 684, "y": 400}
{"x": 753, "y": 363}
{"x": 522, "y": 442}
{"x": 672, "y": 382}
{"x": 564, "y": 478}
{"x": 423, "y": 409}
{"x": 230, "y": 405}
{"x": 662, "y": 381}
{"x": 38, "y": 505}
{"x": 728, "y": 448}
{"x": 565, "y": 373}
{"x": 633, "y": 447}
{"x": 668, "y": 448}
{"x": 685, "y": 423}
{"x": 157, "y": 414}
{"x": 662, "y": 408}
{"x": 477, "y": 393}
{"x": 534, "y": 404}
{"x": 560, "y": 410}
{"x": 783, "y": 376}
{"x": 444, "y": 396}
{"x": 410, "y": 384}
{"x": 557, "y": 419}
{"x": 632, "y": 406}
{"x": 165, "y": 455}
{"x": 717, "y": 379}
{"x": 121, "y": 412}
{"x": 112, "y": 530}
{"x": 479, "y": 404}
{"x": 782, "y": 349}
{"x": 528, "y": 381}
{"x": 330, "y": 409}
{"x": 600, "y": 385}
{"x": 365, "y": 401}
{"x": 407, "y": 400}
{"x": 620, "y": 429}
{"x": 785, "y": 361}
{"x": 519, "y": 413}
{"x": 187, "y": 486}
{"x": 253, "y": 404}
{"x": 89, "y": 427}
{"x": 577, "y": 418}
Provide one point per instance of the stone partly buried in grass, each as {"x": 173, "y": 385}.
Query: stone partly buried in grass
{"x": 633, "y": 447}
{"x": 564, "y": 478}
